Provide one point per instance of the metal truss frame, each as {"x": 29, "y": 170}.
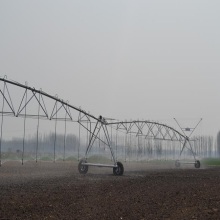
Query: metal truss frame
{"x": 61, "y": 110}
{"x": 147, "y": 129}
{"x": 158, "y": 131}
{"x": 92, "y": 124}
{"x": 39, "y": 95}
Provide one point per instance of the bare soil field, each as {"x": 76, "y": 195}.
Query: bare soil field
{"x": 47, "y": 190}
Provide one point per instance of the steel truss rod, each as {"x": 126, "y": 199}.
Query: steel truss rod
{"x": 188, "y": 129}
{"x": 63, "y": 103}
{"x": 94, "y": 135}
{"x": 149, "y": 129}
{"x": 4, "y": 98}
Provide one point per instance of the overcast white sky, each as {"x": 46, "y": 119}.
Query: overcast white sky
{"x": 121, "y": 59}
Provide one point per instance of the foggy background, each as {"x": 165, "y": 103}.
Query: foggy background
{"x": 128, "y": 59}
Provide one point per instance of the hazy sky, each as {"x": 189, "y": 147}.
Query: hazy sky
{"x": 121, "y": 59}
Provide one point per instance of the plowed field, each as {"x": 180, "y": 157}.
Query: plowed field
{"x": 57, "y": 191}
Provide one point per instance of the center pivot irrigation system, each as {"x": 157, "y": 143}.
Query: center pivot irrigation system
{"x": 15, "y": 105}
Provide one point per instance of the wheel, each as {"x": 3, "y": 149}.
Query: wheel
{"x": 119, "y": 170}
{"x": 197, "y": 164}
{"x": 83, "y": 169}
{"x": 177, "y": 163}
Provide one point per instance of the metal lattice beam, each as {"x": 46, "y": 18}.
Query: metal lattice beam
{"x": 149, "y": 129}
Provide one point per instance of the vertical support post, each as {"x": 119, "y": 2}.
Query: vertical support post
{"x": 64, "y": 141}
{"x": 184, "y": 144}
{"x": 87, "y": 134}
{"x": 3, "y": 103}
{"x": 130, "y": 148}
{"x": 99, "y": 144}
{"x": 79, "y": 119}
{"x": 55, "y": 137}
{"x": 171, "y": 149}
{"x": 138, "y": 148}
{"x": 22, "y": 159}
{"x": 109, "y": 142}
{"x": 79, "y": 143}
{"x": 90, "y": 128}
{"x": 125, "y": 145}
{"x": 38, "y": 121}
{"x": 92, "y": 138}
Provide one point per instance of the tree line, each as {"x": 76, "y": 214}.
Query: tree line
{"x": 126, "y": 147}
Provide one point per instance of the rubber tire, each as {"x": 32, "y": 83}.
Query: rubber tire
{"x": 177, "y": 163}
{"x": 197, "y": 164}
{"x": 83, "y": 169}
{"x": 119, "y": 170}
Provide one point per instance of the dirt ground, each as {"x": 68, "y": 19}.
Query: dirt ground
{"x": 47, "y": 190}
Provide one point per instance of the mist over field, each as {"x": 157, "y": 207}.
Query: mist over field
{"x": 131, "y": 87}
